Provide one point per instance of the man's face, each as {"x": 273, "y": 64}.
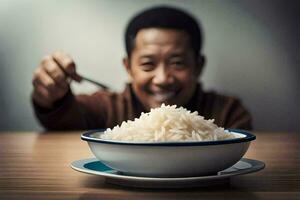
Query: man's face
{"x": 163, "y": 67}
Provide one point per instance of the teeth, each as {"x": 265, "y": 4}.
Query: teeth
{"x": 163, "y": 96}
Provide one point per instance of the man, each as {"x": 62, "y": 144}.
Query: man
{"x": 164, "y": 61}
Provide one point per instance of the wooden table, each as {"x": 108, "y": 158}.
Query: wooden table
{"x": 36, "y": 166}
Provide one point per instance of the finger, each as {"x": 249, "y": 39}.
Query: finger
{"x": 42, "y": 97}
{"x": 67, "y": 64}
{"x": 46, "y": 96}
{"x": 56, "y": 73}
{"x": 41, "y": 78}
{"x": 42, "y": 94}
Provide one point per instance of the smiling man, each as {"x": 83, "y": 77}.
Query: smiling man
{"x": 164, "y": 61}
{"x": 163, "y": 66}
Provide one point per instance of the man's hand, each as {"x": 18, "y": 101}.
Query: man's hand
{"x": 51, "y": 80}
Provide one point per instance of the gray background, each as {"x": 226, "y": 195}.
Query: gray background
{"x": 252, "y": 48}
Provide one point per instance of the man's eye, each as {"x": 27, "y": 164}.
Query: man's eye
{"x": 147, "y": 66}
{"x": 147, "y": 63}
{"x": 178, "y": 64}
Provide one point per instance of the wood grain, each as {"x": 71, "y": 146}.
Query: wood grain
{"x": 36, "y": 166}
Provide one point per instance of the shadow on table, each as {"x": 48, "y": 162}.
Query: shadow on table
{"x": 178, "y": 195}
{"x": 105, "y": 190}
{"x": 97, "y": 183}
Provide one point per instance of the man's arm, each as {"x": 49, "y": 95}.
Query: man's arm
{"x": 79, "y": 112}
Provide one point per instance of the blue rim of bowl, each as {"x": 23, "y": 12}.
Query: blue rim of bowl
{"x": 248, "y": 137}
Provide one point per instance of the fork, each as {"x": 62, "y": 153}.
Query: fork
{"x": 101, "y": 85}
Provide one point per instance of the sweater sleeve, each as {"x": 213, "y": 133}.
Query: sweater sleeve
{"x": 78, "y": 112}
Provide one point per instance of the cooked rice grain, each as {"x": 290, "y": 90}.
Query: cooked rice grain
{"x": 167, "y": 124}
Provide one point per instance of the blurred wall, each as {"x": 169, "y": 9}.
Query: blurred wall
{"x": 252, "y": 49}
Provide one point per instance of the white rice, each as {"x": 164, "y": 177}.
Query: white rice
{"x": 167, "y": 124}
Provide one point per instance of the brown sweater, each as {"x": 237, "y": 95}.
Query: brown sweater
{"x": 105, "y": 109}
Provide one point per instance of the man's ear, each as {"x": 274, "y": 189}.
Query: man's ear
{"x": 201, "y": 61}
{"x": 126, "y": 63}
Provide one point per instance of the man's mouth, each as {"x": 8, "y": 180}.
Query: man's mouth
{"x": 164, "y": 96}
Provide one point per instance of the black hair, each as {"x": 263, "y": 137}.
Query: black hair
{"x": 164, "y": 17}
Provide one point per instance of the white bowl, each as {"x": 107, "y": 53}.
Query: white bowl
{"x": 169, "y": 159}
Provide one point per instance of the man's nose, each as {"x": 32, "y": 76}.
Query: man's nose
{"x": 162, "y": 76}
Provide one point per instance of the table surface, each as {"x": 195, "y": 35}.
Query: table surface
{"x": 37, "y": 166}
